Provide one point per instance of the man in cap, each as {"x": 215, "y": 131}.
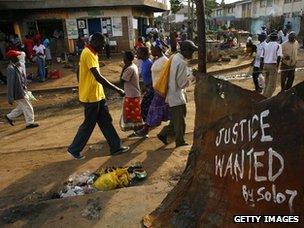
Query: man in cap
{"x": 270, "y": 60}
{"x": 176, "y": 95}
{"x": 289, "y": 61}
{"x": 257, "y": 62}
{"x": 91, "y": 94}
{"x": 17, "y": 92}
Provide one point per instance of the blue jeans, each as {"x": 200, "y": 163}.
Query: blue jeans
{"x": 41, "y": 68}
{"x": 97, "y": 112}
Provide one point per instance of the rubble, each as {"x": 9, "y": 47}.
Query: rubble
{"x": 102, "y": 180}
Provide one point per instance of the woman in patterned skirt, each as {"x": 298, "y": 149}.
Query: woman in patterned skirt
{"x": 131, "y": 117}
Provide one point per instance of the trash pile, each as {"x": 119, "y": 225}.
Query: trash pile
{"x": 102, "y": 180}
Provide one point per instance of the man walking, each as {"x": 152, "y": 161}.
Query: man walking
{"x": 17, "y": 92}
{"x": 257, "y": 62}
{"x": 91, "y": 94}
{"x": 176, "y": 96}
{"x": 270, "y": 60}
{"x": 289, "y": 61}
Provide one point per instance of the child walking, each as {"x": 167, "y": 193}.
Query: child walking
{"x": 131, "y": 118}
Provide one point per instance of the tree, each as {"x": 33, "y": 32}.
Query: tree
{"x": 176, "y": 5}
{"x": 201, "y": 31}
{"x": 209, "y": 6}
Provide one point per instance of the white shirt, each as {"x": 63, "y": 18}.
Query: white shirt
{"x": 39, "y": 49}
{"x": 178, "y": 81}
{"x": 157, "y": 68}
{"x": 271, "y": 52}
{"x": 260, "y": 47}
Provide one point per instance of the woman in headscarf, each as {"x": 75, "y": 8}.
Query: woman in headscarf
{"x": 159, "y": 109}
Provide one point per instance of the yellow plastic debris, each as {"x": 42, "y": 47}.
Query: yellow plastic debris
{"x": 109, "y": 181}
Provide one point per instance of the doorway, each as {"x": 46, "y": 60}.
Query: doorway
{"x": 94, "y": 25}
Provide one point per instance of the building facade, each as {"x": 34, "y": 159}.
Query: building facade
{"x": 121, "y": 20}
{"x": 252, "y": 14}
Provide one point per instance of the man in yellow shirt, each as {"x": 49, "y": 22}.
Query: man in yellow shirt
{"x": 91, "y": 94}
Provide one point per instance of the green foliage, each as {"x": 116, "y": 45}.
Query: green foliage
{"x": 176, "y": 5}
{"x": 209, "y": 6}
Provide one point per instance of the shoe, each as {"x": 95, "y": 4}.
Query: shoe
{"x": 183, "y": 144}
{"x": 138, "y": 135}
{"x": 163, "y": 139}
{"x": 76, "y": 156}
{"x": 122, "y": 150}
{"x": 33, "y": 125}
{"x": 11, "y": 122}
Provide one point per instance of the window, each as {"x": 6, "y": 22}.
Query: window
{"x": 219, "y": 12}
{"x": 263, "y": 3}
{"x": 269, "y": 3}
{"x": 287, "y": 1}
{"x": 230, "y": 10}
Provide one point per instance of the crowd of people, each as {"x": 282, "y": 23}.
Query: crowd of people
{"x": 162, "y": 95}
{"x": 36, "y": 49}
{"x": 144, "y": 106}
{"x": 278, "y": 50}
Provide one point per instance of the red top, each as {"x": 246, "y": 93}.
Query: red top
{"x": 29, "y": 44}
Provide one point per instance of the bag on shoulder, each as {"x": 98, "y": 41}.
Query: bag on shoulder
{"x": 161, "y": 87}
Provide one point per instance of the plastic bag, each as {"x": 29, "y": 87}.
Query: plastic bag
{"x": 161, "y": 86}
{"x": 31, "y": 96}
{"x": 109, "y": 181}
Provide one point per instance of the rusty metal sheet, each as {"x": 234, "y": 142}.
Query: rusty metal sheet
{"x": 248, "y": 162}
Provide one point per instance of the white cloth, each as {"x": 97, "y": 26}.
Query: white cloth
{"x": 39, "y": 49}
{"x": 249, "y": 40}
{"x": 178, "y": 81}
{"x": 24, "y": 107}
{"x": 157, "y": 68}
{"x": 271, "y": 52}
{"x": 260, "y": 47}
{"x": 22, "y": 63}
{"x": 285, "y": 38}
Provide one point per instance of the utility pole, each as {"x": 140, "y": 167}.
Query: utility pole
{"x": 201, "y": 35}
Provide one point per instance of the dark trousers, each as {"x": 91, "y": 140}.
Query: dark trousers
{"x": 177, "y": 125}
{"x": 287, "y": 76}
{"x": 255, "y": 77}
{"x": 108, "y": 51}
{"x": 97, "y": 112}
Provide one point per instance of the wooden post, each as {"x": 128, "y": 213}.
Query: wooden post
{"x": 189, "y": 10}
{"x": 201, "y": 35}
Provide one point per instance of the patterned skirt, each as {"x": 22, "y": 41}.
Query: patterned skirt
{"x": 146, "y": 102}
{"x": 159, "y": 111}
{"x": 131, "y": 116}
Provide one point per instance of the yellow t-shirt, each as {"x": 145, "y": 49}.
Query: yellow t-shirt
{"x": 89, "y": 89}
